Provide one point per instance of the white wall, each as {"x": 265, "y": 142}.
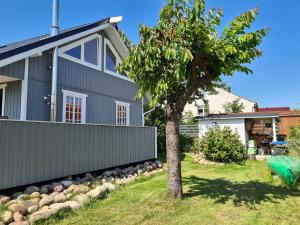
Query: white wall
{"x": 235, "y": 124}
{"x": 217, "y": 101}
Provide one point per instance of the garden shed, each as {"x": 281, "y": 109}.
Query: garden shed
{"x": 247, "y": 125}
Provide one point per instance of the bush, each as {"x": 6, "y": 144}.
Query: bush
{"x": 185, "y": 143}
{"x": 222, "y": 145}
{"x": 294, "y": 140}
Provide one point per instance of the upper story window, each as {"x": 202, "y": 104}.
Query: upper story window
{"x": 201, "y": 110}
{"x": 111, "y": 59}
{"x": 86, "y": 51}
{"x": 122, "y": 113}
{"x": 74, "y": 107}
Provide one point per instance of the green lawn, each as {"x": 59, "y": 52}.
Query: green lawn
{"x": 228, "y": 194}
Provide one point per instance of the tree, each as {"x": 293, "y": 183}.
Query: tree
{"x": 184, "y": 53}
{"x": 233, "y": 107}
{"x": 187, "y": 119}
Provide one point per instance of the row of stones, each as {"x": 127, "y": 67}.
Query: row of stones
{"x": 200, "y": 159}
{"x": 38, "y": 203}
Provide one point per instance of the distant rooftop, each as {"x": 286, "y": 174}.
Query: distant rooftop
{"x": 250, "y": 115}
{"x": 274, "y": 109}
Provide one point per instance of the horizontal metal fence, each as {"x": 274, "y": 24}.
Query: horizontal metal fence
{"x": 32, "y": 152}
{"x": 189, "y": 130}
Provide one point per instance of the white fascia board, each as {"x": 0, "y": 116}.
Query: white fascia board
{"x": 117, "y": 41}
{"x": 244, "y": 117}
{"x": 37, "y": 50}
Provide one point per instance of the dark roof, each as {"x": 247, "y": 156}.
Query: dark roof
{"x": 274, "y": 109}
{"x": 12, "y": 49}
{"x": 238, "y": 115}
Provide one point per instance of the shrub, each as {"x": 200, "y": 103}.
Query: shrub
{"x": 294, "y": 140}
{"x": 185, "y": 143}
{"x": 222, "y": 145}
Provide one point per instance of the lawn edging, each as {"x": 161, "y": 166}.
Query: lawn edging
{"x": 40, "y": 203}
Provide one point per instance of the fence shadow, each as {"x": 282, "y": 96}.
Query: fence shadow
{"x": 247, "y": 193}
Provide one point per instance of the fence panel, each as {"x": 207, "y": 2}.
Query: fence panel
{"x": 32, "y": 152}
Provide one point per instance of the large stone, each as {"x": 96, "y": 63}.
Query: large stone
{"x": 46, "y": 201}
{"x": 159, "y": 164}
{"x": 59, "y": 206}
{"x": 109, "y": 186}
{"x": 16, "y": 195}
{"x": 31, "y": 202}
{"x": 42, "y": 214}
{"x": 23, "y": 197}
{"x": 57, "y": 187}
{"x": 29, "y": 190}
{"x": 4, "y": 199}
{"x": 78, "y": 189}
{"x": 53, "y": 194}
{"x": 73, "y": 205}
{"x": 44, "y": 189}
{"x": 97, "y": 192}
{"x": 18, "y": 217}
{"x": 7, "y": 217}
{"x": 20, "y": 223}
{"x": 35, "y": 195}
{"x": 18, "y": 207}
{"x": 33, "y": 209}
{"x": 81, "y": 198}
{"x": 107, "y": 173}
{"x": 67, "y": 183}
{"x": 59, "y": 198}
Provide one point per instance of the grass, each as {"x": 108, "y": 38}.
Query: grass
{"x": 229, "y": 194}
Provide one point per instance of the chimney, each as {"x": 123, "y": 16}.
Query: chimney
{"x": 54, "y": 31}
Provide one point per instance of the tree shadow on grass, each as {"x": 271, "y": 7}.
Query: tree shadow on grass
{"x": 249, "y": 193}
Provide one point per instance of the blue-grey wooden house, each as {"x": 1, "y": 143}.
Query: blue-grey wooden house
{"x": 88, "y": 91}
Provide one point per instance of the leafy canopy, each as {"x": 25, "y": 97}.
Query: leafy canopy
{"x": 236, "y": 106}
{"x": 184, "y": 51}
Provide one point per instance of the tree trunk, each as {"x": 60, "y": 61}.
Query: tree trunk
{"x": 173, "y": 152}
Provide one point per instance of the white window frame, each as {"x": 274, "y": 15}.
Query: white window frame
{"x": 73, "y": 94}
{"x": 127, "y": 105}
{"x": 3, "y": 87}
{"x": 203, "y": 107}
{"x": 81, "y": 42}
{"x": 118, "y": 59}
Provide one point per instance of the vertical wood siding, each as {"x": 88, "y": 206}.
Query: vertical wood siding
{"x": 12, "y": 106}
{"x": 15, "y": 70}
{"x": 38, "y": 151}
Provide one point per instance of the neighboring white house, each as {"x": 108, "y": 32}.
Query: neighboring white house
{"x": 242, "y": 123}
{"x": 216, "y": 103}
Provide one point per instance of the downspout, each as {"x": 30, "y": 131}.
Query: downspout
{"x": 54, "y": 31}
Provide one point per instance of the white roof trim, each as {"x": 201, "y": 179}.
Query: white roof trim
{"x": 241, "y": 117}
{"x": 37, "y": 50}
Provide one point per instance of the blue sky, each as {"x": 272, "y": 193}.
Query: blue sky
{"x": 276, "y": 77}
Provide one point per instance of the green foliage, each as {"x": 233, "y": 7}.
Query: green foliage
{"x": 157, "y": 119}
{"x": 185, "y": 143}
{"x": 185, "y": 51}
{"x": 233, "y": 107}
{"x": 294, "y": 140}
{"x": 222, "y": 145}
{"x": 187, "y": 119}
{"x": 195, "y": 148}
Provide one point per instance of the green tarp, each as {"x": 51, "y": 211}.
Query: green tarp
{"x": 287, "y": 168}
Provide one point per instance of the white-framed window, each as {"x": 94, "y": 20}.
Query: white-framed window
{"x": 2, "y": 99}
{"x": 201, "y": 110}
{"x": 74, "y": 107}
{"x": 111, "y": 59}
{"x": 86, "y": 51}
{"x": 122, "y": 113}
